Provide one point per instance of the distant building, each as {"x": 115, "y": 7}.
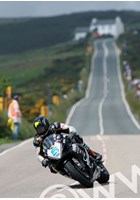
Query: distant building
{"x": 114, "y": 27}
{"x": 80, "y": 33}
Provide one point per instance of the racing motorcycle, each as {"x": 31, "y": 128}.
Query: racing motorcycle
{"x": 58, "y": 148}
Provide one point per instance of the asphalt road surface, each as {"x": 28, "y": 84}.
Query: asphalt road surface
{"x": 105, "y": 121}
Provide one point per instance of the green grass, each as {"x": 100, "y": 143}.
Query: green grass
{"x": 28, "y": 66}
{"x": 60, "y": 66}
{"x": 26, "y": 129}
{"x": 133, "y": 102}
{"x": 131, "y": 54}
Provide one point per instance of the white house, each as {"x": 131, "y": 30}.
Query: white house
{"x": 114, "y": 27}
{"x": 80, "y": 33}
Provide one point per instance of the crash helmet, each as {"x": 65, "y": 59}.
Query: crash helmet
{"x": 41, "y": 125}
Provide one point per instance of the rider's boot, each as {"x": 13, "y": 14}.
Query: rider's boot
{"x": 92, "y": 153}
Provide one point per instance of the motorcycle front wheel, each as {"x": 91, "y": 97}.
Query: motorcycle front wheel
{"x": 76, "y": 175}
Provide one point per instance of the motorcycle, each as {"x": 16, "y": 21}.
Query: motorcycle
{"x": 80, "y": 167}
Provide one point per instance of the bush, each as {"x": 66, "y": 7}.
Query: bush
{"x": 4, "y": 129}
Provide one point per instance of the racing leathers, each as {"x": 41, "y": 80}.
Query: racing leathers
{"x": 58, "y": 128}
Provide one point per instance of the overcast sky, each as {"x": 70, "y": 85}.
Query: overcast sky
{"x": 52, "y": 8}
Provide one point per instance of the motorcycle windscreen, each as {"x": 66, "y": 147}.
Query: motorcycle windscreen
{"x": 52, "y": 148}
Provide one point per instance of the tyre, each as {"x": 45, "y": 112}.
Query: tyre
{"x": 104, "y": 177}
{"x": 76, "y": 175}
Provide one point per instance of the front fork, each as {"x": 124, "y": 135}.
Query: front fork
{"x": 87, "y": 160}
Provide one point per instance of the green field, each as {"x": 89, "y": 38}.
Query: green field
{"x": 60, "y": 67}
{"x": 39, "y": 58}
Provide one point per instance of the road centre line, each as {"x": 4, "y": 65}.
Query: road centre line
{"x": 123, "y": 91}
{"x": 105, "y": 91}
{"x": 99, "y": 137}
{"x": 44, "y": 192}
{"x": 104, "y": 149}
{"x": 76, "y": 104}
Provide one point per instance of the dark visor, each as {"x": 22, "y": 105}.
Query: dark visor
{"x": 40, "y": 130}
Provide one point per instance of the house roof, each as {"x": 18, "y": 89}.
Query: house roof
{"x": 81, "y": 29}
{"x": 103, "y": 22}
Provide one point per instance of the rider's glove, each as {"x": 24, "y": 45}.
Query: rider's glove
{"x": 45, "y": 163}
{"x": 36, "y": 143}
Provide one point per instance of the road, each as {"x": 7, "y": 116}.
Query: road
{"x": 104, "y": 119}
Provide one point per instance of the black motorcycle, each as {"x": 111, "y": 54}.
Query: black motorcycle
{"x": 80, "y": 167}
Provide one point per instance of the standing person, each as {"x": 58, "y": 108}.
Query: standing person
{"x": 138, "y": 90}
{"x": 14, "y": 114}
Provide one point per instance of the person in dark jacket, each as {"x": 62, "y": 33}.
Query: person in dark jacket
{"x": 44, "y": 128}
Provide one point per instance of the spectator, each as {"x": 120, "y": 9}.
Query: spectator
{"x": 127, "y": 70}
{"x": 128, "y": 73}
{"x": 14, "y": 114}
{"x": 134, "y": 82}
{"x": 138, "y": 91}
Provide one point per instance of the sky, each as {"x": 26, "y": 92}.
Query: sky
{"x": 54, "y": 8}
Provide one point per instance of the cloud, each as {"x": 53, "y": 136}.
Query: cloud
{"x": 51, "y": 8}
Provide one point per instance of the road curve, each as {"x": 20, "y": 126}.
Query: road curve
{"x": 104, "y": 111}
{"x": 106, "y": 124}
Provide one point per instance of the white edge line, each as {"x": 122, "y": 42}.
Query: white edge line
{"x": 15, "y": 147}
{"x": 122, "y": 90}
{"x": 78, "y": 102}
{"x": 87, "y": 91}
{"x": 71, "y": 111}
{"x": 42, "y": 195}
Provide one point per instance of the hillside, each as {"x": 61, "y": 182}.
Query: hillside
{"x": 39, "y": 59}
{"x": 38, "y": 75}
{"x": 26, "y": 34}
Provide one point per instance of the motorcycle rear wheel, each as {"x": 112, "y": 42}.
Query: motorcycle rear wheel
{"x": 104, "y": 177}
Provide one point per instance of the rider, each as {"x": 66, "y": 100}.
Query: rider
{"x": 44, "y": 128}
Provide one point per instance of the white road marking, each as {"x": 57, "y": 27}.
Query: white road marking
{"x": 76, "y": 105}
{"x": 91, "y": 74}
{"x": 69, "y": 116}
{"x": 104, "y": 149}
{"x": 87, "y": 91}
{"x": 15, "y": 147}
{"x": 105, "y": 92}
{"x": 122, "y": 90}
{"x": 71, "y": 111}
